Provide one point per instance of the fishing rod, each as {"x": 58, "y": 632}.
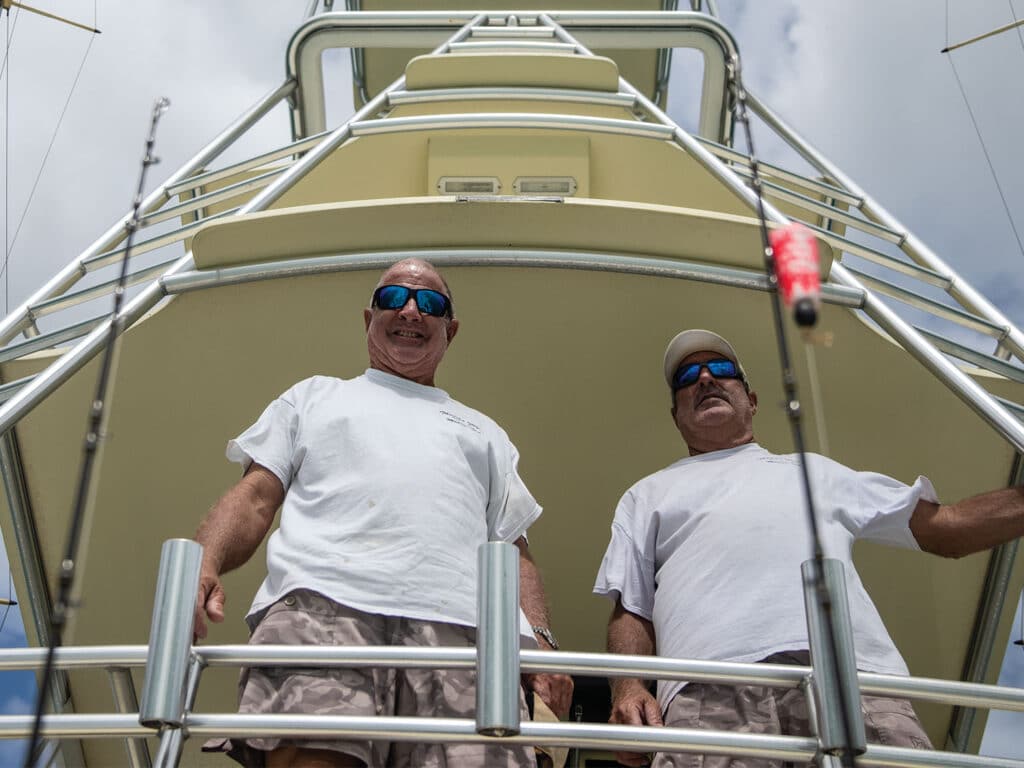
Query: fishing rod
{"x": 805, "y": 312}
{"x": 98, "y": 411}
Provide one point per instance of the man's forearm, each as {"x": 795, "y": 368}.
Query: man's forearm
{"x": 629, "y": 634}
{"x": 237, "y": 524}
{"x": 972, "y": 525}
{"x": 532, "y": 598}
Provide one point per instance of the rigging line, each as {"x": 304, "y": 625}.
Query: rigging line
{"x": 988, "y": 158}
{"x": 42, "y": 165}
{"x": 17, "y": 15}
{"x": 1020, "y": 35}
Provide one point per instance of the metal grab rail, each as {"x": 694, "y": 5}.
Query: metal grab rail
{"x": 170, "y": 687}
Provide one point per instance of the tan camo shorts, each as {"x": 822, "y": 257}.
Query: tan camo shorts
{"x": 306, "y": 617}
{"x": 761, "y": 710}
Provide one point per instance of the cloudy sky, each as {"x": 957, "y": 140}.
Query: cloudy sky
{"x": 864, "y": 81}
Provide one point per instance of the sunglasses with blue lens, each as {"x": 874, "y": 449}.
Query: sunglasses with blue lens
{"x": 687, "y": 375}
{"x": 428, "y": 302}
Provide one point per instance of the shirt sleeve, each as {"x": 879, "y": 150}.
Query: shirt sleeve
{"x": 885, "y": 506}
{"x": 511, "y": 511}
{"x": 627, "y": 573}
{"x": 271, "y": 441}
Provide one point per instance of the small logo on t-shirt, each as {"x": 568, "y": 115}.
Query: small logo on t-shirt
{"x": 454, "y": 419}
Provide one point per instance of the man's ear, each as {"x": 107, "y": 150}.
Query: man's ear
{"x": 367, "y": 315}
{"x": 753, "y": 399}
{"x": 452, "y": 329}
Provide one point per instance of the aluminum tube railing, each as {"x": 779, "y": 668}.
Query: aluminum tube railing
{"x": 47, "y": 340}
{"x": 580, "y": 735}
{"x": 216, "y": 196}
{"x": 915, "y": 248}
{"x": 100, "y": 290}
{"x": 170, "y": 634}
{"x": 431, "y": 95}
{"x": 505, "y": 257}
{"x": 497, "y": 639}
{"x": 125, "y": 701}
{"x": 20, "y": 316}
{"x": 524, "y": 120}
{"x": 201, "y": 179}
{"x": 531, "y": 661}
{"x": 935, "y": 308}
{"x": 107, "y": 258}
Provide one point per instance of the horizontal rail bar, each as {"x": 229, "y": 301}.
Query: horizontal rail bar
{"x": 968, "y": 355}
{"x": 201, "y": 179}
{"x": 1016, "y": 408}
{"x": 506, "y": 94}
{"x": 175, "y": 235}
{"x": 216, "y": 196}
{"x": 508, "y": 120}
{"x": 769, "y": 170}
{"x": 47, "y": 340}
{"x": 463, "y": 731}
{"x": 908, "y": 268}
{"x": 516, "y": 31}
{"x": 74, "y": 657}
{"x": 810, "y": 204}
{"x": 498, "y": 46}
{"x": 937, "y": 308}
{"x": 11, "y": 388}
{"x": 99, "y": 290}
{"x": 518, "y": 257}
{"x": 534, "y": 661}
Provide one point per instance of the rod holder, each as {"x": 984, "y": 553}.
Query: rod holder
{"x": 497, "y": 640}
{"x": 170, "y": 634}
{"x": 834, "y": 663}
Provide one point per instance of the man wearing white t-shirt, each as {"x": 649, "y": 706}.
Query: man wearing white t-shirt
{"x": 387, "y": 487}
{"x": 704, "y": 561}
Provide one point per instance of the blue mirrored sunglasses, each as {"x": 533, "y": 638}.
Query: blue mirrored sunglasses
{"x": 688, "y": 374}
{"x": 428, "y": 302}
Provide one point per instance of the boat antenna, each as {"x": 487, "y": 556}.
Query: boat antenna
{"x": 792, "y": 403}
{"x": 98, "y": 411}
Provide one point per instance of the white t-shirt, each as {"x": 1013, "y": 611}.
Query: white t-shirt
{"x": 391, "y": 488}
{"x": 709, "y": 550}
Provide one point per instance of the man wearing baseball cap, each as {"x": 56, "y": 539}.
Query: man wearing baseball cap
{"x": 704, "y": 562}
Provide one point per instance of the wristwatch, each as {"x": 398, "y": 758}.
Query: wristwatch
{"x": 548, "y": 636}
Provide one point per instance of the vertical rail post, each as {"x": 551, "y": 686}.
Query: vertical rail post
{"x": 497, "y": 640}
{"x": 170, "y": 634}
{"x": 834, "y": 677}
{"x": 125, "y": 700}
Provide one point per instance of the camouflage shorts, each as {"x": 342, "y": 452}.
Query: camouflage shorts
{"x": 761, "y": 710}
{"x": 306, "y": 617}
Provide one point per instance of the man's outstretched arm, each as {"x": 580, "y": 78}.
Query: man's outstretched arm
{"x": 230, "y": 533}
{"x": 632, "y": 703}
{"x": 972, "y": 525}
{"x": 555, "y": 690}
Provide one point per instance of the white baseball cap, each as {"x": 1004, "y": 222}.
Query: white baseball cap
{"x": 697, "y": 340}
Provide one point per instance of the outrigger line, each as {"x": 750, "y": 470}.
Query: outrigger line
{"x": 84, "y": 496}
{"x": 792, "y": 407}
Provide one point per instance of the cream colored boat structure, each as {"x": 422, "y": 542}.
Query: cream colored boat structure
{"x": 525, "y": 152}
